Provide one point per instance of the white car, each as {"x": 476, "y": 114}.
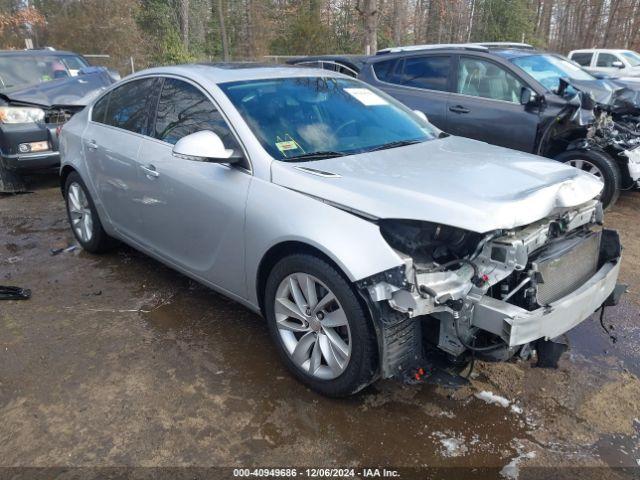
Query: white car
{"x": 618, "y": 63}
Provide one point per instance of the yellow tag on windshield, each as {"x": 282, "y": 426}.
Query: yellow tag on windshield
{"x": 287, "y": 145}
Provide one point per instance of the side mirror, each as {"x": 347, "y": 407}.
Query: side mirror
{"x": 526, "y": 96}
{"x": 421, "y": 115}
{"x": 204, "y": 145}
{"x": 617, "y": 64}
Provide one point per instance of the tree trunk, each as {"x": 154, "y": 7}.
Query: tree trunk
{"x": 223, "y": 31}
{"x": 184, "y": 22}
{"x": 368, "y": 10}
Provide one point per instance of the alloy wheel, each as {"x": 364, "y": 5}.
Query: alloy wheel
{"x": 80, "y": 212}
{"x": 587, "y": 166}
{"x": 313, "y": 326}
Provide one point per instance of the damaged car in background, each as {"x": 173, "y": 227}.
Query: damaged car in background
{"x": 365, "y": 236}
{"x": 513, "y": 96}
{"x": 39, "y": 91}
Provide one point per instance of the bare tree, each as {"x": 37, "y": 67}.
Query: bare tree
{"x": 184, "y": 21}
{"x": 368, "y": 10}
{"x": 224, "y": 40}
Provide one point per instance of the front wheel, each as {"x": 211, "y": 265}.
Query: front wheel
{"x": 320, "y": 329}
{"x": 601, "y": 166}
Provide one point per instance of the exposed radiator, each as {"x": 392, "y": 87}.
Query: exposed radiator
{"x": 566, "y": 266}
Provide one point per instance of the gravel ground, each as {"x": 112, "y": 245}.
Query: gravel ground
{"x": 117, "y": 361}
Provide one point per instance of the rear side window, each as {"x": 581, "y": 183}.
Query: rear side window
{"x": 426, "y": 72}
{"x": 384, "y": 70}
{"x": 100, "y": 109}
{"x": 128, "y": 106}
{"x": 183, "y": 109}
{"x": 606, "y": 59}
{"x": 582, "y": 58}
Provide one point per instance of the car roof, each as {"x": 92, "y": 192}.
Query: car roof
{"x": 218, "y": 73}
{"x": 37, "y": 53}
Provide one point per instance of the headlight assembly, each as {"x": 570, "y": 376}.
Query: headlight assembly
{"x": 21, "y": 115}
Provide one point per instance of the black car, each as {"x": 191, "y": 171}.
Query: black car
{"x": 39, "y": 91}
{"x": 513, "y": 96}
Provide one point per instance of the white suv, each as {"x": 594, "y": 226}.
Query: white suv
{"x": 613, "y": 62}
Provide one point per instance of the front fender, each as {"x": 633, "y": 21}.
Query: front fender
{"x": 277, "y": 214}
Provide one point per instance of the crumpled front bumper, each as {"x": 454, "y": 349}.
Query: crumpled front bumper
{"x": 518, "y": 326}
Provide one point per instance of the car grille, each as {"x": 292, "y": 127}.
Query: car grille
{"x": 566, "y": 266}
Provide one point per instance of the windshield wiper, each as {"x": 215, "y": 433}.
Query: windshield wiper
{"x": 314, "y": 156}
{"x": 398, "y": 143}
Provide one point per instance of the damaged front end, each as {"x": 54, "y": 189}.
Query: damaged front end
{"x": 493, "y": 294}
{"x": 603, "y": 116}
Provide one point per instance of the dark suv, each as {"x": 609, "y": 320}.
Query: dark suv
{"x": 39, "y": 90}
{"x": 505, "y": 94}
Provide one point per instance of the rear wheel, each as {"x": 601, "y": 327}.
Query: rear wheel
{"x": 601, "y": 166}
{"x": 320, "y": 329}
{"x": 83, "y": 217}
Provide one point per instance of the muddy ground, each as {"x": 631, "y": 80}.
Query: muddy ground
{"x": 117, "y": 360}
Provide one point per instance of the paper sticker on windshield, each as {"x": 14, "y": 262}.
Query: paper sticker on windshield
{"x": 287, "y": 145}
{"x": 366, "y": 96}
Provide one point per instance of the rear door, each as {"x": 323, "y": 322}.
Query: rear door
{"x": 421, "y": 82}
{"x": 193, "y": 211}
{"x": 486, "y": 105}
{"x": 111, "y": 143}
{"x": 583, "y": 59}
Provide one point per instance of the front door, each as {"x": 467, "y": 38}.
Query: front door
{"x": 193, "y": 211}
{"x": 486, "y": 106}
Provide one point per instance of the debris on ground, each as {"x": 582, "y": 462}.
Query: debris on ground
{"x": 14, "y": 293}
{"x": 490, "y": 397}
{"x": 56, "y": 251}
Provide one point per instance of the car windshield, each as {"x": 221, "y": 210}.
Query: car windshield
{"x": 549, "y": 69}
{"x": 632, "y": 57}
{"x": 319, "y": 117}
{"x": 23, "y": 70}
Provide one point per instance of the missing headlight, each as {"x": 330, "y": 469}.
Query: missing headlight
{"x": 427, "y": 242}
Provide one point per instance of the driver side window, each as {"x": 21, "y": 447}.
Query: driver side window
{"x": 480, "y": 78}
{"x": 183, "y": 109}
{"x": 606, "y": 60}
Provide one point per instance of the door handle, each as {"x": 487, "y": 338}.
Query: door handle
{"x": 92, "y": 145}
{"x": 150, "y": 171}
{"x": 459, "y": 109}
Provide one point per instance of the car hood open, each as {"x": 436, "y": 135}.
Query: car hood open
{"x": 453, "y": 181}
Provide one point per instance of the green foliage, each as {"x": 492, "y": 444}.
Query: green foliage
{"x": 158, "y": 20}
{"x": 503, "y": 21}
{"x": 304, "y": 32}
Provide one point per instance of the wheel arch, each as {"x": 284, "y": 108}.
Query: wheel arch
{"x": 281, "y": 250}
{"x": 64, "y": 174}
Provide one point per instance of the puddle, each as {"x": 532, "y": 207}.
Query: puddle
{"x": 388, "y": 423}
{"x": 590, "y": 341}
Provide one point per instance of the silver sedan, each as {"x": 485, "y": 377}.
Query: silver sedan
{"x": 363, "y": 234}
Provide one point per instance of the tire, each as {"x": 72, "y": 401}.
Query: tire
{"x": 10, "y": 181}
{"x": 607, "y": 167}
{"x": 96, "y": 240}
{"x": 346, "y": 316}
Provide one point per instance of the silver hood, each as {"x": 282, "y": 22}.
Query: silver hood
{"x": 453, "y": 181}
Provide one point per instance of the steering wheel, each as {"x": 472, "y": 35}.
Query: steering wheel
{"x": 344, "y": 125}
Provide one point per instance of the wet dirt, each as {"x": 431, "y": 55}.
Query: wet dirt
{"x": 119, "y": 361}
